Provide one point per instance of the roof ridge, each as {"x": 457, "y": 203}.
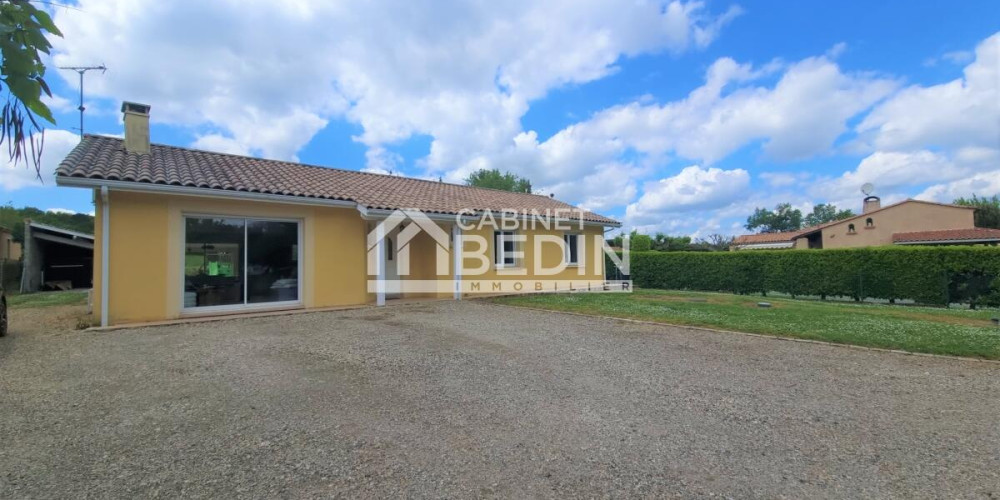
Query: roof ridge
{"x": 339, "y": 169}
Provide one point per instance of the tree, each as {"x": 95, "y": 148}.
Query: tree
{"x": 987, "y": 210}
{"x": 713, "y": 243}
{"x": 494, "y": 179}
{"x": 826, "y": 212}
{"x": 782, "y": 218}
{"x": 666, "y": 243}
{"x": 13, "y": 219}
{"x": 640, "y": 242}
{"x": 22, "y": 39}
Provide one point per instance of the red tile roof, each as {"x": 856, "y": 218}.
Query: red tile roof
{"x": 105, "y": 158}
{"x": 749, "y": 239}
{"x": 973, "y": 234}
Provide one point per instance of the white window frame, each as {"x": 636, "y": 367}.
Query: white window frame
{"x": 499, "y": 251}
{"x": 566, "y": 247}
{"x": 245, "y": 306}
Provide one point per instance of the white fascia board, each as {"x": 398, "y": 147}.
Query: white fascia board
{"x": 765, "y": 246}
{"x": 147, "y": 187}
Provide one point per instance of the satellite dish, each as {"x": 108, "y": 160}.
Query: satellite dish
{"x": 867, "y": 188}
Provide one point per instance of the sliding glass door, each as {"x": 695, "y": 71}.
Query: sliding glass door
{"x": 230, "y": 262}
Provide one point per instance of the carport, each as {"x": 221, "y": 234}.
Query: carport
{"x": 56, "y": 258}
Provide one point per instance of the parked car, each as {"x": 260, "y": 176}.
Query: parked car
{"x": 3, "y": 313}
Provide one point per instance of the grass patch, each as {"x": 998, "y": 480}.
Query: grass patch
{"x": 47, "y": 299}
{"x": 954, "y": 332}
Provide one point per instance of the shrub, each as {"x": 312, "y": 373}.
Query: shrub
{"x": 640, "y": 243}
{"x": 928, "y": 275}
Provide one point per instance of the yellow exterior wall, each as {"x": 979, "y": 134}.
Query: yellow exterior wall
{"x": 9, "y": 249}
{"x": 590, "y": 270}
{"x": 903, "y": 218}
{"x": 147, "y": 247}
{"x": 147, "y": 238}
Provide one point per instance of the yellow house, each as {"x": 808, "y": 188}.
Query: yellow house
{"x": 181, "y": 232}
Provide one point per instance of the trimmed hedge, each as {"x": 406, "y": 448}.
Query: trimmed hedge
{"x": 927, "y": 275}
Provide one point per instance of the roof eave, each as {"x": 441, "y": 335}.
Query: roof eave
{"x": 948, "y": 242}
{"x": 149, "y": 187}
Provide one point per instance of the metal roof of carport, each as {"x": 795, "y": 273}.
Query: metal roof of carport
{"x": 60, "y": 235}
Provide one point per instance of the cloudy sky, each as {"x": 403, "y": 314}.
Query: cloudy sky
{"x": 677, "y": 116}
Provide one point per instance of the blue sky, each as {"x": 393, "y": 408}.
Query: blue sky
{"x": 678, "y": 117}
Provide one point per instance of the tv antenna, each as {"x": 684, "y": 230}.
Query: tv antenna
{"x": 81, "y": 70}
{"x": 867, "y": 188}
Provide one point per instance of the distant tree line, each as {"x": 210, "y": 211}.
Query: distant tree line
{"x": 786, "y": 218}
{"x": 987, "y": 210}
{"x": 495, "y": 179}
{"x": 664, "y": 243}
{"x": 13, "y": 219}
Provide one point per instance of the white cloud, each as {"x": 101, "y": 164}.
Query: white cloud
{"x": 58, "y": 143}
{"x": 784, "y": 179}
{"x": 694, "y": 188}
{"x": 61, "y": 211}
{"x": 460, "y": 72}
{"x": 980, "y": 184}
{"x": 959, "y": 56}
{"x": 221, "y": 144}
{"x": 610, "y": 185}
{"x": 890, "y": 170}
{"x": 801, "y": 116}
{"x": 960, "y": 113}
{"x": 57, "y": 103}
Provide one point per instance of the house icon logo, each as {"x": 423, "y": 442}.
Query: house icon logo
{"x": 390, "y": 241}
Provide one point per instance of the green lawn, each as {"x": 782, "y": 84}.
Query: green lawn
{"x": 917, "y": 329}
{"x": 46, "y": 299}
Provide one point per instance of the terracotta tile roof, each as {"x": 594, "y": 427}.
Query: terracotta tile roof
{"x": 973, "y": 234}
{"x": 105, "y": 158}
{"x": 749, "y": 239}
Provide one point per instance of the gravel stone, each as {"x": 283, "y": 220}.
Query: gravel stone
{"x": 470, "y": 399}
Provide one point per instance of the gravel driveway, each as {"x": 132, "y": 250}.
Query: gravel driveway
{"x": 473, "y": 399}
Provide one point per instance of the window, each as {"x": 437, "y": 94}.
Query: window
{"x": 503, "y": 248}
{"x": 389, "y": 252}
{"x": 850, "y": 228}
{"x": 869, "y": 222}
{"x": 572, "y": 254}
{"x": 230, "y": 261}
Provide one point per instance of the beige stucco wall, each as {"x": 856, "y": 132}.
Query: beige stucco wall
{"x": 902, "y": 218}
{"x": 9, "y": 249}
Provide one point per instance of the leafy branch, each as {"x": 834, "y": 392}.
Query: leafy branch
{"x": 23, "y": 29}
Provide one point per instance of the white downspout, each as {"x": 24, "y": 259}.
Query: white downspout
{"x": 380, "y": 258}
{"x": 105, "y": 251}
{"x": 456, "y": 251}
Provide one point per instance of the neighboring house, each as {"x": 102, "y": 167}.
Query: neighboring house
{"x": 181, "y": 232}
{"x": 909, "y": 222}
{"x": 9, "y": 249}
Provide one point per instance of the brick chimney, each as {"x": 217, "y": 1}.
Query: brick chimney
{"x": 136, "y": 127}
{"x": 871, "y": 204}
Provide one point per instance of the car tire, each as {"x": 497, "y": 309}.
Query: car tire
{"x": 3, "y": 317}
